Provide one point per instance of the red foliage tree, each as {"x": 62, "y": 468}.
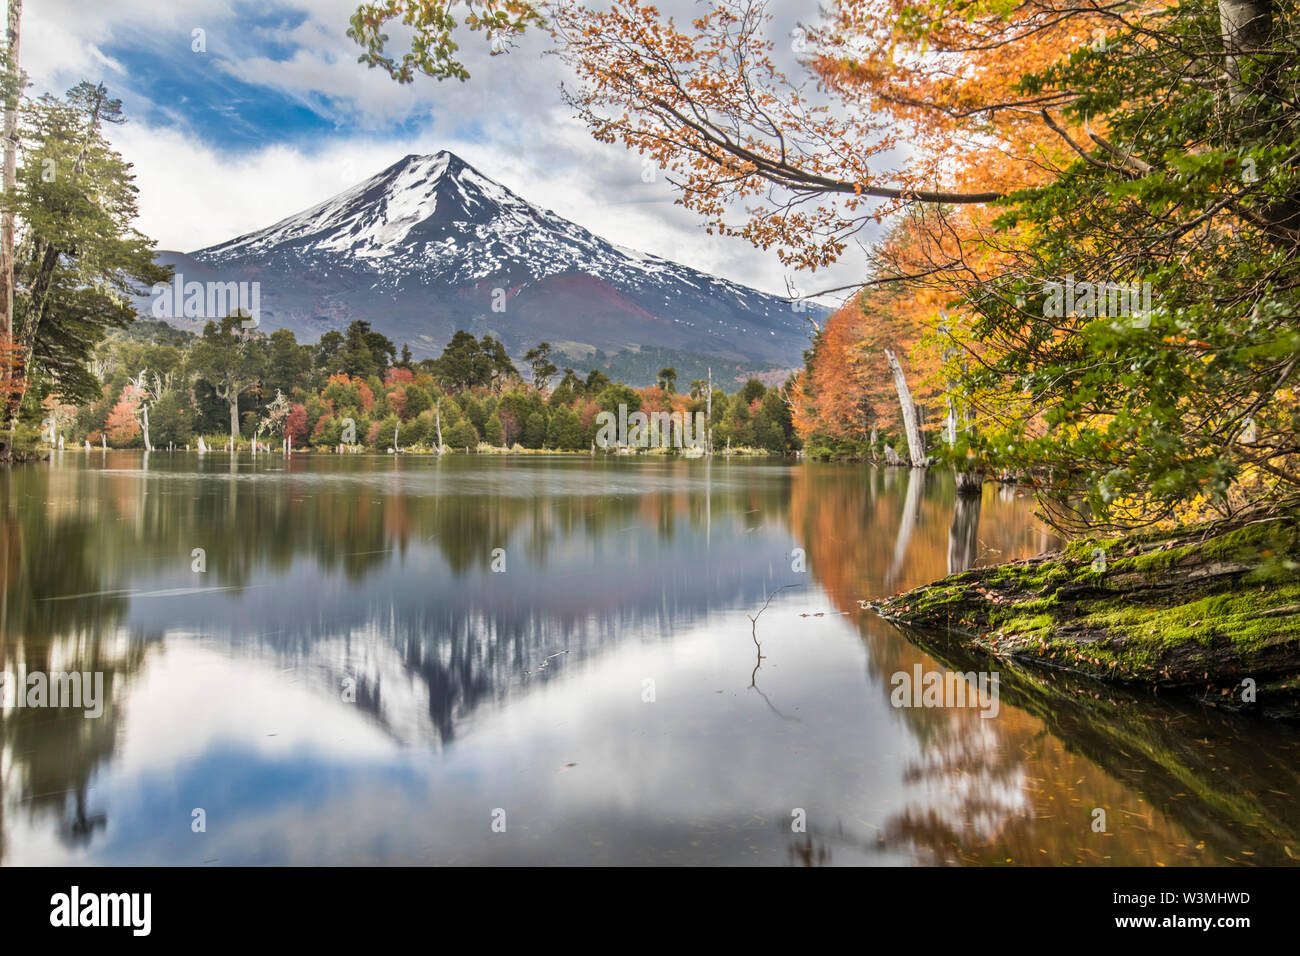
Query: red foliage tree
{"x": 295, "y": 426}
{"x": 123, "y": 425}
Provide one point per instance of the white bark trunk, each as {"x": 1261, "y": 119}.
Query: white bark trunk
{"x": 915, "y": 444}
{"x": 1245, "y": 26}
{"x": 708, "y": 416}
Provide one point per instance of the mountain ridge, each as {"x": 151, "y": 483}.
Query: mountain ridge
{"x": 430, "y": 245}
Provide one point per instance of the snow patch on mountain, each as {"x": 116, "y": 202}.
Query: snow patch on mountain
{"x": 432, "y": 233}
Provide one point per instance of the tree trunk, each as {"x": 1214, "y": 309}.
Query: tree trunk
{"x": 969, "y": 481}
{"x": 437, "y": 420}
{"x": 1245, "y": 26}
{"x": 915, "y": 443}
{"x": 234, "y": 420}
{"x": 13, "y": 81}
{"x": 13, "y": 89}
{"x": 708, "y": 416}
{"x": 144, "y": 425}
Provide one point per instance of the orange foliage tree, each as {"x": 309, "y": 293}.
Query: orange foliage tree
{"x": 123, "y": 425}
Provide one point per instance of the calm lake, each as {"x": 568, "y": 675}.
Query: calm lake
{"x": 379, "y": 660}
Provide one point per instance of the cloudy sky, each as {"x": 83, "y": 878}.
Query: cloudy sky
{"x": 275, "y": 115}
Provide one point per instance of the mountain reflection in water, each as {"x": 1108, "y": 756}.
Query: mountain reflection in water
{"x": 350, "y": 681}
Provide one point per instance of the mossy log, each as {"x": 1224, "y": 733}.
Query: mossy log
{"x": 1208, "y": 611}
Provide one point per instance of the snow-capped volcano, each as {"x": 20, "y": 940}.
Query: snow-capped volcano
{"x": 431, "y": 245}
{"x": 418, "y": 202}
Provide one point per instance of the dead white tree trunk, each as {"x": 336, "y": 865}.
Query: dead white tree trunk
{"x": 915, "y": 443}
{"x": 141, "y": 383}
{"x": 437, "y": 420}
{"x": 708, "y": 416}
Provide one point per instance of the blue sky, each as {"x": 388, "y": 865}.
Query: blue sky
{"x": 274, "y": 114}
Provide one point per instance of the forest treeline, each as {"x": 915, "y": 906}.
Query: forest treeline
{"x": 165, "y": 387}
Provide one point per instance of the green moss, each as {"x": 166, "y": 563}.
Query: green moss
{"x": 1173, "y": 624}
{"x": 1028, "y": 625}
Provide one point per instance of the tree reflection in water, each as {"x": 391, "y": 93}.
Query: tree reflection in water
{"x": 380, "y": 572}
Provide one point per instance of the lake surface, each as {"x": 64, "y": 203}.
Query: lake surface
{"x": 379, "y": 660}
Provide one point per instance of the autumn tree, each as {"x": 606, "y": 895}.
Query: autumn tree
{"x": 123, "y": 425}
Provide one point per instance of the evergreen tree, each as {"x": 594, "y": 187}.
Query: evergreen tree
{"x": 565, "y": 431}
{"x": 461, "y": 435}
{"x": 365, "y": 353}
{"x": 232, "y": 360}
{"x": 539, "y": 360}
{"x": 329, "y": 351}
{"x": 170, "y": 419}
{"x": 492, "y": 431}
{"x": 81, "y": 258}
{"x": 288, "y": 363}
{"x": 535, "y": 431}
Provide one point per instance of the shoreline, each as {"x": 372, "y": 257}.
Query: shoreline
{"x": 1203, "y": 612}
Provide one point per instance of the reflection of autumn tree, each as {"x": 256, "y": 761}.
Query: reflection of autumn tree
{"x": 806, "y": 852}
{"x": 850, "y": 522}
{"x": 1022, "y": 786}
